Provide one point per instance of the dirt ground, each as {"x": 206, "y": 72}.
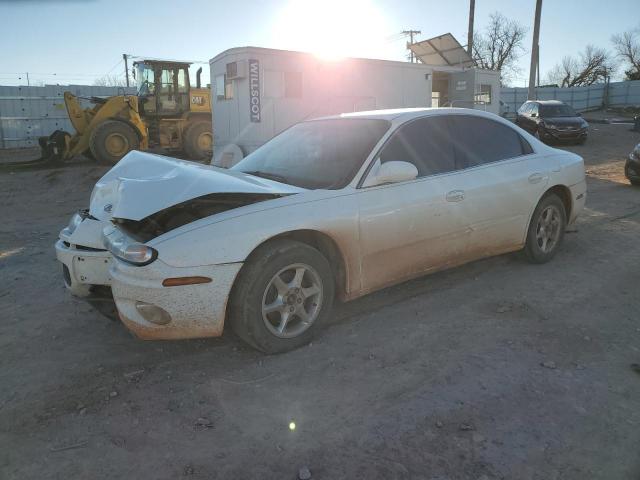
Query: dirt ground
{"x": 497, "y": 369}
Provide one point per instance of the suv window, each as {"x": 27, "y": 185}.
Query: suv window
{"x": 524, "y": 109}
{"x": 480, "y": 141}
{"x": 426, "y": 143}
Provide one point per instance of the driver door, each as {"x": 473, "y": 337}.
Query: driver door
{"x": 412, "y": 227}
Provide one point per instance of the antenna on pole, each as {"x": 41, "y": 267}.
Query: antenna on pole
{"x": 410, "y": 34}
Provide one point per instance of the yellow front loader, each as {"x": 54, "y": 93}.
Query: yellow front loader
{"x": 166, "y": 112}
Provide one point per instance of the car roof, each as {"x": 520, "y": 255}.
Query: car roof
{"x": 403, "y": 114}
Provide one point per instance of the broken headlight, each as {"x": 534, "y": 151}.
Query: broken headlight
{"x": 126, "y": 249}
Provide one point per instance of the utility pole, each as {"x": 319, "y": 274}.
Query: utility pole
{"x": 411, "y": 33}
{"x": 126, "y": 68}
{"x": 534, "y": 53}
{"x": 472, "y": 8}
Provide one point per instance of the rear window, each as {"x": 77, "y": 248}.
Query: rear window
{"x": 480, "y": 140}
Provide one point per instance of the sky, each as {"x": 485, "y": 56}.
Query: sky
{"x": 77, "y": 41}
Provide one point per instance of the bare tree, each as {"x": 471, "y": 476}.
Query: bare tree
{"x": 110, "y": 81}
{"x": 593, "y": 65}
{"x": 499, "y": 45}
{"x": 627, "y": 47}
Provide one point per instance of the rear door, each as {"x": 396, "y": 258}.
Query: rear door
{"x": 502, "y": 179}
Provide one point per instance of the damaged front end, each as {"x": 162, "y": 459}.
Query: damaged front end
{"x": 187, "y": 212}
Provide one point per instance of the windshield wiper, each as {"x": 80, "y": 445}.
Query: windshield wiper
{"x": 268, "y": 176}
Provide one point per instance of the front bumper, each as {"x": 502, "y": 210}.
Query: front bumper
{"x": 579, "y": 198}
{"x": 83, "y": 267}
{"x": 193, "y": 311}
{"x": 564, "y": 135}
{"x": 632, "y": 168}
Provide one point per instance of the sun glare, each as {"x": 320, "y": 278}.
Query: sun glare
{"x": 332, "y": 29}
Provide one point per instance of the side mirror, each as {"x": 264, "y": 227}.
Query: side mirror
{"x": 390, "y": 172}
{"x": 534, "y": 115}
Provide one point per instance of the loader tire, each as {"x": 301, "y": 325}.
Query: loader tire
{"x": 112, "y": 140}
{"x": 198, "y": 141}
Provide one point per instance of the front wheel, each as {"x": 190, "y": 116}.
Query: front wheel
{"x": 112, "y": 140}
{"x": 546, "y": 230}
{"x": 283, "y": 296}
{"x": 198, "y": 141}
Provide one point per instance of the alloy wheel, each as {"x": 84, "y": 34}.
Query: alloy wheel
{"x": 292, "y": 300}
{"x": 548, "y": 228}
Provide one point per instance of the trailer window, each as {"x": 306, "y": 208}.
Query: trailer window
{"x": 224, "y": 87}
{"x": 484, "y": 95}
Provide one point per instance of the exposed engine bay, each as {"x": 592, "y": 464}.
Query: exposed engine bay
{"x": 187, "y": 212}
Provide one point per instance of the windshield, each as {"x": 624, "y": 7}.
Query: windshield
{"x": 557, "y": 111}
{"x": 144, "y": 79}
{"x": 318, "y": 154}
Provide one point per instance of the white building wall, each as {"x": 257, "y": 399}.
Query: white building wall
{"x": 328, "y": 87}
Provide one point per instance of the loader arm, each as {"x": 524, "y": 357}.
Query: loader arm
{"x": 85, "y": 121}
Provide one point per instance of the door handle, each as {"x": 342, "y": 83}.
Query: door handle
{"x": 455, "y": 196}
{"x": 535, "y": 178}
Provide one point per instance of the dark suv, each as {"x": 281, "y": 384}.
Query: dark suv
{"x": 552, "y": 120}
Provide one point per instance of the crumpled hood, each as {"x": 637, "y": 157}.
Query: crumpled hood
{"x": 141, "y": 184}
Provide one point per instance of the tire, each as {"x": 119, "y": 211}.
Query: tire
{"x": 536, "y": 134}
{"x": 537, "y": 249}
{"x": 256, "y": 288}
{"x": 581, "y": 141}
{"x": 112, "y": 140}
{"x": 198, "y": 141}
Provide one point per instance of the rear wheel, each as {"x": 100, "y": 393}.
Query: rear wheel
{"x": 546, "y": 230}
{"x": 112, "y": 140}
{"x": 198, "y": 141}
{"x": 283, "y": 296}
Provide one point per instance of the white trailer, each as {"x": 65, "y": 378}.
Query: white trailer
{"x": 259, "y": 92}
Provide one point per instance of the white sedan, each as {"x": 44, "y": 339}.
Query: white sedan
{"x": 334, "y": 207}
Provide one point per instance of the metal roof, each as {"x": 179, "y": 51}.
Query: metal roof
{"x": 444, "y": 50}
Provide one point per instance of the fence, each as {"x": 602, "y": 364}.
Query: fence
{"x": 27, "y": 113}
{"x": 582, "y": 99}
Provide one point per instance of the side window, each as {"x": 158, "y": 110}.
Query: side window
{"x": 480, "y": 141}
{"x": 524, "y": 109}
{"x": 426, "y": 143}
{"x": 534, "y": 108}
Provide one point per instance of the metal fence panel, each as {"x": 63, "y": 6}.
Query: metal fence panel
{"x": 582, "y": 99}
{"x": 27, "y": 113}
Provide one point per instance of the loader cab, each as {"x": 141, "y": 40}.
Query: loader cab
{"x": 163, "y": 87}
